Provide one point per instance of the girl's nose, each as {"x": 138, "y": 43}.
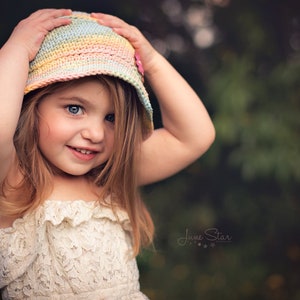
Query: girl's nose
{"x": 94, "y": 131}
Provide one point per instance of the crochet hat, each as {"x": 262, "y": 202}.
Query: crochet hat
{"x": 85, "y": 48}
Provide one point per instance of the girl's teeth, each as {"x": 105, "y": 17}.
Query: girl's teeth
{"x": 83, "y": 151}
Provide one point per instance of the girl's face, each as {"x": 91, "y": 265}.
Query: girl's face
{"x": 76, "y": 127}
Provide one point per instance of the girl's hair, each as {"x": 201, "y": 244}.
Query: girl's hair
{"x": 117, "y": 177}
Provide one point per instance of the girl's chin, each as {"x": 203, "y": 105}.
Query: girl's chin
{"x": 76, "y": 172}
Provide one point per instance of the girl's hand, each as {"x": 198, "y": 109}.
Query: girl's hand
{"x": 141, "y": 45}
{"x": 29, "y": 34}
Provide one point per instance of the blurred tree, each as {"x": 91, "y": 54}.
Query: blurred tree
{"x": 227, "y": 226}
{"x": 243, "y": 58}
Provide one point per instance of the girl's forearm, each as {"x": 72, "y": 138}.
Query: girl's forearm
{"x": 13, "y": 75}
{"x": 183, "y": 113}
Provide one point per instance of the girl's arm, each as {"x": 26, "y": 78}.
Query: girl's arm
{"x": 187, "y": 128}
{"x": 15, "y": 55}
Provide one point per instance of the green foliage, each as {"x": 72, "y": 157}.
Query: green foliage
{"x": 247, "y": 185}
{"x": 259, "y": 117}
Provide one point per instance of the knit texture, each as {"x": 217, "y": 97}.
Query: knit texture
{"x": 86, "y": 48}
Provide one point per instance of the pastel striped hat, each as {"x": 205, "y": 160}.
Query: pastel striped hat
{"x": 85, "y": 48}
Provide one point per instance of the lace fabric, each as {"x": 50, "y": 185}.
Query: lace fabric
{"x": 69, "y": 250}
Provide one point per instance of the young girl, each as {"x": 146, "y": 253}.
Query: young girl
{"x": 75, "y": 149}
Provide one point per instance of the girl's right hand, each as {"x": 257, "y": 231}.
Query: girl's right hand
{"x": 29, "y": 34}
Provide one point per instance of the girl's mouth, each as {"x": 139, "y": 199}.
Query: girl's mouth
{"x": 84, "y": 151}
{"x": 83, "y": 154}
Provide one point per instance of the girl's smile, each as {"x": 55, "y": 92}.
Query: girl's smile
{"x": 83, "y": 154}
{"x": 76, "y": 127}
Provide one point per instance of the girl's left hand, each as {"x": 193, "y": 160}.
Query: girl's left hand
{"x": 141, "y": 45}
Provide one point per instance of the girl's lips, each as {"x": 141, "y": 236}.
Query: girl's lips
{"x": 83, "y": 154}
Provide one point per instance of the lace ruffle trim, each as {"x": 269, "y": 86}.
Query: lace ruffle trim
{"x": 75, "y": 212}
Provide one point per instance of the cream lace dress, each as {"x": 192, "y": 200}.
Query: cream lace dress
{"x": 69, "y": 250}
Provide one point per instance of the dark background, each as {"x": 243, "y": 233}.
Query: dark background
{"x": 227, "y": 226}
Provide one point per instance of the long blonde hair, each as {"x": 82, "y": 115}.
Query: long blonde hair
{"x": 117, "y": 177}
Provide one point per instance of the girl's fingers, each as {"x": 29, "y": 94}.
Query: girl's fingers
{"x": 47, "y": 18}
{"x": 30, "y": 32}
{"x": 115, "y": 23}
{"x": 119, "y": 26}
{"x": 109, "y": 20}
{"x": 55, "y": 13}
{"x": 51, "y": 18}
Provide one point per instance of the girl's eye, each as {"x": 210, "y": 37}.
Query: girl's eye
{"x": 74, "y": 109}
{"x": 110, "y": 118}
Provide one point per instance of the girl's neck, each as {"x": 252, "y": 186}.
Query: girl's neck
{"x": 67, "y": 187}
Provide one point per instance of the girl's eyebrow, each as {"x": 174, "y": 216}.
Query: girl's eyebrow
{"x": 77, "y": 99}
